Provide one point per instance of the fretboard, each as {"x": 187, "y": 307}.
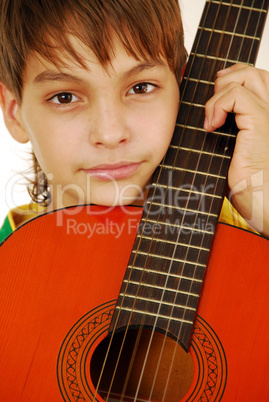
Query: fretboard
{"x": 166, "y": 270}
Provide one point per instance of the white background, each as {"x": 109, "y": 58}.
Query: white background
{"x": 14, "y": 158}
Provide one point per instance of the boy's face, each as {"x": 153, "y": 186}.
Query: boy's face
{"x": 98, "y": 133}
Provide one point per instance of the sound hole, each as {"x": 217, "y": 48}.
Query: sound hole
{"x": 141, "y": 365}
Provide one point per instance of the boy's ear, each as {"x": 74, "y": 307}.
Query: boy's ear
{"x": 11, "y": 114}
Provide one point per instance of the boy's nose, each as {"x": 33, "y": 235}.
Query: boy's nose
{"x": 109, "y": 128}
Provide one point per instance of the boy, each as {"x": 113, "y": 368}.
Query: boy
{"x": 78, "y": 84}
{"x": 64, "y": 93}
{"x": 94, "y": 86}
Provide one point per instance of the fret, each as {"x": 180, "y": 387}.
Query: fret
{"x": 194, "y": 117}
{"x": 148, "y": 300}
{"x": 162, "y": 295}
{"x": 213, "y": 58}
{"x": 187, "y": 178}
{"x": 240, "y": 6}
{"x": 189, "y": 218}
{"x": 187, "y": 191}
{"x": 171, "y": 274}
{"x": 218, "y": 142}
{"x": 179, "y": 301}
{"x": 168, "y": 258}
{"x": 192, "y": 104}
{"x": 191, "y": 97}
{"x": 250, "y": 3}
{"x": 232, "y": 48}
{"x": 230, "y": 135}
{"x": 162, "y": 288}
{"x": 193, "y": 211}
{"x": 200, "y": 238}
{"x": 180, "y": 289}
{"x": 165, "y": 241}
{"x": 196, "y": 172}
{"x": 232, "y": 21}
{"x": 190, "y": 79}
{"x": 191, "y": 197}
{"x": 192, "y": 229}
{"x": 200, "y": 152}
{"x": 153, "y": 315}
{"x": 204, "y": 67}
{"x": 187, "y": 116}
{"x": 235, "y": 34}
{"x": 182, "y": 222}
{"x": 193, "y": 164}
{"x": 184, "y": 126}
{"x": 153, "y": 247}
{"x": 171, "y": 196}
{"x": 176, "y": 308}
{"x": 199, "y": 233}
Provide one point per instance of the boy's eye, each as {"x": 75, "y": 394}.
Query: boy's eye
{"x": 64, "y": 98}
{"x": 142, "y": 88}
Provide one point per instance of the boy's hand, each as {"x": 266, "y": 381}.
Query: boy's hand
{"x": 244, "y": 90}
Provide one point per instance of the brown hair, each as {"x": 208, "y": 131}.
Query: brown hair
{"x": 147, "y": 28}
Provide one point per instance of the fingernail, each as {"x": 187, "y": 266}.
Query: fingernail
{"x": 206, "y": 123}
{"x": 223, "y": 71}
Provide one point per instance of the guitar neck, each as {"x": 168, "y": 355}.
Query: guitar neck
{"x": 165, "y": 273}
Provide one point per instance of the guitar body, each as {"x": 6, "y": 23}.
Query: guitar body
{"x": 76, "y": 325}
{"x": 58, "y": 296}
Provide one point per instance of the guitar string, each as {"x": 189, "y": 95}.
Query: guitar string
{"x": 253, "y": 40}
{"x": 130, "y": 272}
{"x": 164, "y": 291}
{"x": 265, "y": 8}
{"x": 225, "y": 64}
{"x": 237, "y": 57}
{"x": 157, "y": 315}
{"x": 241, "y": 47}
{"x": 242, "y": 42}
{"x": 202, "y": 27}
{"x": 175, "y": 248}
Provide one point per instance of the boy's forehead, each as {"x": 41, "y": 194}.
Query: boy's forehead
{"x": 63, "y": 66}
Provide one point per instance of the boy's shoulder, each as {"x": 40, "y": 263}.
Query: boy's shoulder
{"x": 230, "y": 216}
{"x": 6, "y": 229}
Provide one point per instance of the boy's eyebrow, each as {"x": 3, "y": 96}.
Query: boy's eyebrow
{"x": 50, "y": 75}
{"x": 144, "y": 66}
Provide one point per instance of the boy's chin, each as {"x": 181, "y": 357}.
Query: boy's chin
{"x": 136, "y": 199}
{"x": 105, "y": 200}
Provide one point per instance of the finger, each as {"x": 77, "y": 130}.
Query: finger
{"x": 234, "y": 98}
{"x": 233, "y": 68}
{"x": 256, "y": 80}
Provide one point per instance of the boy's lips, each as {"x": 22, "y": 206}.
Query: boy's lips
{"x": 114, "y": 171}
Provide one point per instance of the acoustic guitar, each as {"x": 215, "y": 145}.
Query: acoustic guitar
{"x": 188, "y": 319}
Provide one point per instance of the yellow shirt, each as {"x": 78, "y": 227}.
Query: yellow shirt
{"x": 230, "y": 216}
{"x": 18, "y": 216}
